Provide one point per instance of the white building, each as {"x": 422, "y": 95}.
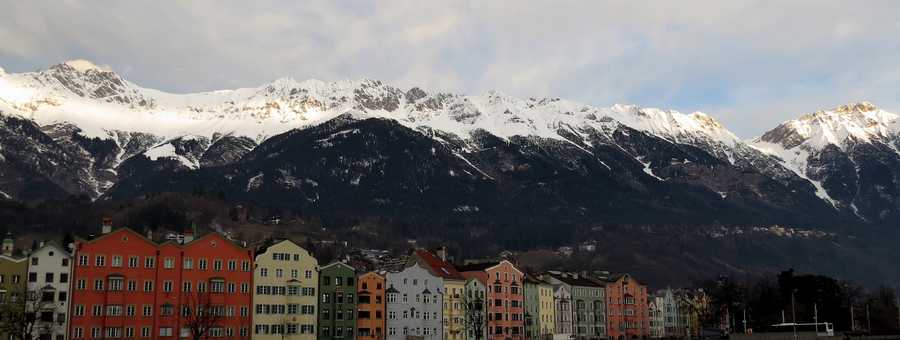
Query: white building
{"x": 49, "y": 271}
{"x": 414, "y": 304}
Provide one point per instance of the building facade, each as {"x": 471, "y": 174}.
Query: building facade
{"x": 127, "y": 286}
{"x": 587, "y": 302}
{"x": 371, "y": 313}
{"x": 475, "y": 317}
{"x": 13, "y": 272}
{"x": 562, "y": 300}
{"x": 454, "y": 288}
{"x": 627, "y": 304}
{"x": 285, "y": 280}
{"x": 49, "y": 271}
{"x": 337, "y": 302}
{"x": 505, "y": 298}
{"x": 546, "y": 310}
{"x": 414, "y": 304}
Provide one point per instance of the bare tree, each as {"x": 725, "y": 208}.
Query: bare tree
{"x": 474, "y": 314}
{"x": 21, "y": 315}
{"x": 201, "y": 314}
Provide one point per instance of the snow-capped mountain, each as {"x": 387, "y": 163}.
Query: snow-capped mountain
{"x": 850, "y": 153}
{"x": 121, "y": 138}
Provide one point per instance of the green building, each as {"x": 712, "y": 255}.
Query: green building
{"x": 337, "y": 302}
{"x": 13, "y": 272}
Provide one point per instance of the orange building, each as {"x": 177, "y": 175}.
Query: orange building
{"x": 127, "y": 286}
{"x": 505, "y": 298}
{"x": 370, "y": 307}
{"x": 628, "y": 314}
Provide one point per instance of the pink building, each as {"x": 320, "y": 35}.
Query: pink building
{"x": 505, "y": 297}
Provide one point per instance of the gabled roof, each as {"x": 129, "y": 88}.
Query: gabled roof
{"x": 579, "y": 281}
{"x": 476, "y": 267}
{"x": 337, "y": 263}
{"x": 439, "y": 267}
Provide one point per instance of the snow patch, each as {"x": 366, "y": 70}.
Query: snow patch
{"x": 82, "y": 65}
{"x": 167, "y": 150}
{"x": 255, "y": 182}
{"x": 647, "y": 169}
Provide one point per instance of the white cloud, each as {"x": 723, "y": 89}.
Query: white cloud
{"x": 752, "y": 64}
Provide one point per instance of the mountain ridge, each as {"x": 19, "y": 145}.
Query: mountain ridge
{"x": 111, "y": 121}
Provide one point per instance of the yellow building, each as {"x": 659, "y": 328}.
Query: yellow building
{"x": 454, "y": 289}
{"x": 284, "y": 302}
{"x": 547, "y": 310}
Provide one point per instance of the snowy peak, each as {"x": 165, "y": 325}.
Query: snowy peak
{"x": 83, "y": 66}
{"x": 860, "y": 122}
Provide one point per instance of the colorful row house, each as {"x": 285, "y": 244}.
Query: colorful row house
{"x": 285, "y": 283}
{"x": 505, "y": 300}
{"x": 127, "y": 286}
{"x": 414, "y": 303}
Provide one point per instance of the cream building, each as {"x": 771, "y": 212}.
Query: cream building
{"x": 285, "y": 282}
{"x": 547, "y": 310}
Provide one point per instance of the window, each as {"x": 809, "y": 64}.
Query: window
{"x": 201, "y": 264}
{"x": 264, "y": 272}
{"x": 100, "y": 261}
{"x": 97, "y": 310}
{"x": 186, "y": 287}
{"x": 150, "y": 262}
{"x": 129, "y": 332}
{"x": 245, "y": 266}
{"x": 80, "y": 284}
{"x": 130, "y": 310}
{"x": 148, "y": 310}
{"x": 279, "y": 273}
{"x": 217, "y": 286}
{"x": 132, "y": 262}
{"x": 188, "y": 263}
{"x": 169, "y": 263}
{"x": 217, "y": 265}
{"x": 83, "y": 260}
{"x": 34, "y": 261}
{"x": 308, "y": 274}
{"x": 32, "y": 277}
{"x": 78, "y": 310}
{"x": 145, "y": 332}
{"x": 113, "y": 310}
{"x": 167, "y": 286}
{"x": 116, "y": 261}
{"x": 63, "y": 277}
{"x": 95, "y": 332}
{"x": 132, "y": 285}
{"x": 98, "y": 284}
{"x": 77, "y": 333}
{"x": 115, "y": 284}
{"x": 165, "y": 331}
{"x": 232, "y": 265}
{"x": 148, "y": 286}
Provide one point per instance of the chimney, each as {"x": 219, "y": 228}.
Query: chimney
{"x": 106, "y": 227}
{"x": 188, "y": 236}
{"x": 8, "y": 245}
{"x": 441, "y": 252}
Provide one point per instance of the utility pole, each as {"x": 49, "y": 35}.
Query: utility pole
{"x": 793, "y": 315}
{"x": 745, "y": 320}
{"x": 868, "y": 320}
{"x": 852, "y": 319}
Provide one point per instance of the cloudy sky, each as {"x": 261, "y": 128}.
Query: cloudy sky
{"x": 751, "y": 64}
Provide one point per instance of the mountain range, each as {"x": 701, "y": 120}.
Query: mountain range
{"x": 367, "y": 147}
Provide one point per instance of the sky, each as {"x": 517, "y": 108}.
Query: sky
{"x": 749, "y": 64}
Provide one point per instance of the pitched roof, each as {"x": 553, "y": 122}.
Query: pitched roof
{"x": 439, "y": 267}
{"x": 579, "y": 281}
{"x": 476, "y": 267}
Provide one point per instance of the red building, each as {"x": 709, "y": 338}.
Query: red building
{"x": 628, "y": 314}
{"x": 505, "y": 298}
{"x": 127, "y": 286}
